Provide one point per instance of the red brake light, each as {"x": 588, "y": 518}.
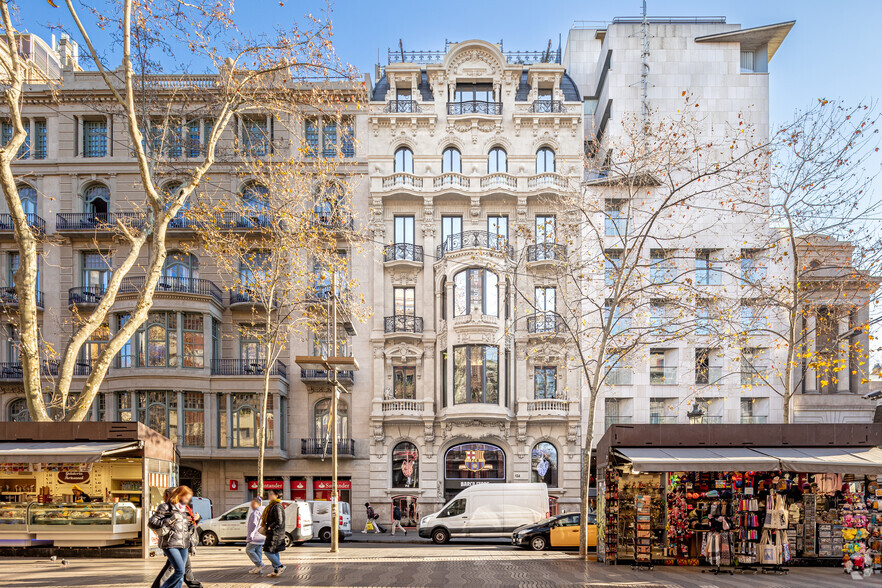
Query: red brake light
{"x": 298, "y": 521}
{"x": 341, "y": 520}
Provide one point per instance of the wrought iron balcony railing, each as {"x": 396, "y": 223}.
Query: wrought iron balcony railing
{"x": 403, "y": 323}
{"x": 402, "y": 106}
{"x": 546, "y": 106}
{"x": 546, "y": 252}
{"x": 37, "y": 224}
{"x": 322, "y": 375}
{"x": 247, "y": 367}
{"x": 9, "y": 297}
{"x": 545, "y": 322}
{"x": 323, "y": 447}
{"x": 85, "y": 295}
{"x": 335, "y": 221}
{"x": 475, "y": 239}
{"x": 91, "y": 221}
{"x": 197, "y": 286}
{"x": 403, "y": 252}
{"x": 474, "y": 107}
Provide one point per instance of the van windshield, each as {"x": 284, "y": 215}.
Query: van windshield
{"x": 455, "y": 508}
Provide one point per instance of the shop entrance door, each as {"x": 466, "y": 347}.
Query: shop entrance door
{"x": 410, "y": 512}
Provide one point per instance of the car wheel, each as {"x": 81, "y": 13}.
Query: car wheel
{"x": 538, "y": 543}
{"x": 289, "y": 540}
{"x": 325, "y": 535}
{"x": 209, "y": 539}
{"x": 440, "y": 536}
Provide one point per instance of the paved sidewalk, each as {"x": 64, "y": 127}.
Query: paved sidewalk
{"x": 362, "y": 564}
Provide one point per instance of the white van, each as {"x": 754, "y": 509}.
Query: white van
{"x": 487, "y": 510}
{"x": 321, "y": 520}
{"x": 232, "y": 526}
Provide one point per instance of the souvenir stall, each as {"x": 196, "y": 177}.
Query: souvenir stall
{"x": 75, "y": 485}
{"x": 694, "y": 494}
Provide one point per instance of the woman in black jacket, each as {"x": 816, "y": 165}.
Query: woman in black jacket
{"x": 173, "y": 522}
{"x": 273, "y": 521}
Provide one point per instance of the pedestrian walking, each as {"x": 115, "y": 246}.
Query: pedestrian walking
{"x": 254, "y": 539}
{"x": 371, "y": 519}
{"x": 396, "y": 520}
{"x": 189, "y": 580}
{"x": 174, "y": 524}
{"x": 272, "y": 525}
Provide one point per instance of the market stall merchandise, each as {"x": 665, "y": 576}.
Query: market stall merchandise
{"x": 710, "y": 500}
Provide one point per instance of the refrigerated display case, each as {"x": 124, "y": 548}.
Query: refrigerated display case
{"x": 94, "y": 524}
{"x": 14, "y": 525}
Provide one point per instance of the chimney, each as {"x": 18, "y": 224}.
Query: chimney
{"x": 68, "y": 53}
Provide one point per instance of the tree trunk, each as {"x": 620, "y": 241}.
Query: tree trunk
{"x": 261, "y": 430}
{"x": 586, "y": 476}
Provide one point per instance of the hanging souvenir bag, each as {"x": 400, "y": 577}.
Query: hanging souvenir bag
{"x": 767, "y": 550}
{"x": 785, "y": 547}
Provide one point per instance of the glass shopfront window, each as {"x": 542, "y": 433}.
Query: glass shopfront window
{"x": 405, "y": 466}
{"x": 468, "y": 464}
{"x": 544, "y": 464}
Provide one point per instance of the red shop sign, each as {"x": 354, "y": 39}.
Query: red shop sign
{"x": 267, "y": 484}
{"x": 73, "y": 477}
{"x": 298, "y": 484}
{"x": 328, "y": 485}
{"x": 234, "y": 484}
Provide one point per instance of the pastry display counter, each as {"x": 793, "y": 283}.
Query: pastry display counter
{"x": 95, "y": 524}
{"x": 14, "y": 525}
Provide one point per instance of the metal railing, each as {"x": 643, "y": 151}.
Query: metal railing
{"x": 247, "y": 296}
{"x": 323, "y": 447}
{"x": 402, "y": 107}
{"x": 403, "y": 252}
{"x": 545, "y": 322}
{"x": 403, "y": 323}
{"x": 548, "y": 106}
{"x": 36, "y": 223}
{"x": 9, "y": 297}
{"x": 403, "y": 405}
{"x": 247, "y": 367}
{"x": 474, "y": 107}
{"x": 322, "y": 375}
{"x": 235, "y": 220}
{"x": 546, "y": 252}
{"x": 710, "y": 375}
{"x": 547, "y": 405}
{"x": 474, "y": 239}
{"x": 620, "y": 376}
{"x": 104, "y": 221}
{"x": 197, "y": 286}
{"x": 338, "y": 220}
{"x": 13, "y": 370}
{"x": 85, "y": 295}
{"x": 402, "y": 180}
{"x": 663, "y": 376}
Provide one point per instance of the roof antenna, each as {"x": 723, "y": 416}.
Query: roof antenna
{"x": 401, "y": 47}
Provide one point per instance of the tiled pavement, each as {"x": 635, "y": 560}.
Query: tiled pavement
{"x": 466, "y": 564}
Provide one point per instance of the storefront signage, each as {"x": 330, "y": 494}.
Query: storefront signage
{"x": 299, "y": 484}
{"x": 467, "y": 483}
{"x": 327, "y": 485}
{"x": 234, "y": 484}
{"x": 73, "y": 477}
{"x": 267, "y": 484}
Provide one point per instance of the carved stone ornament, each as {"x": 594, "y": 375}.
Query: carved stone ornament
{"x": 379, "y": 433}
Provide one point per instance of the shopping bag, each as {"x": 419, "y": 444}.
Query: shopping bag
{"x": 767, "y": 551}
{"x": 785, "y": 547}
{"x": 369, "y": 527}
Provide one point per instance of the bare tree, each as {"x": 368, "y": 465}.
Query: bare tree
{"x": 254, "y": 68}
{"x": 821, "y": 247}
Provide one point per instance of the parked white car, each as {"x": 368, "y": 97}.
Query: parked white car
{"x": 321, "y": 520}
{"x": 487, "y": 510}
{"x": 232, "y": 526}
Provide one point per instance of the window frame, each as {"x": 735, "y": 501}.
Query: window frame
{"x": 451, "y": 160}
{"x": 466, "y": 353}
{"x": 403, "y": 162}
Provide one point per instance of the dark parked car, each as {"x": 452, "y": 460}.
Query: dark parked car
{"x": 557, "y": 531}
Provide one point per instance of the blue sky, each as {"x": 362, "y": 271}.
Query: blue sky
{"x": 831, "y": 52}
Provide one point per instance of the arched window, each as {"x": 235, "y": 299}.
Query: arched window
{"x": 322, "y": 419}
{"x": 28, "y": 195}
{"x": 405, "y": 466}
{"x": 544, "y": 160}
{"x": 475, "y": 290}
{"x": 255, "y": 196}
{"x": 404, "y": 161}
{"x": 451, "y": 161}
{"x": 179, "y": 265}
{"x": 474, "y": 460}
{"x": 497, "y": 161}
{"x": 97, "y": 199}
{"x": 18, "y": 411}
{"x": 157, "y": 340}
{"x": 544, "y": 464}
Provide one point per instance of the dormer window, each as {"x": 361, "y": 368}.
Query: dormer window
{"x": 474, "y": 99}
{"x": 404, "y": 100}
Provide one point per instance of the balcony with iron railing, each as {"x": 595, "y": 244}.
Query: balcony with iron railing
{"x": 545, "y": 323}
{"x": 548, "y": 107}
{"x": 36, "y": 223}
{"x": 174, "y": 284}
{"x": 402, "y": 107}
{"x": 245, "y": 296}
{"x": 85, "y": 296}
{"x": 92, "y": 221}
{"x": 407, "y": 252}
{"x": 663, "y": 376}
{"x": 483, "y": 107}
{"x": 9, "y": 297}
{"x": 247, "y": 367}
{"x": 322, "y": 447}
{"x": 313, "y": 376}
{"x": 14, "y": 370}
{"x": 400, "y": 324}
{"x": 546, "y": 252}
{"x": 336, "y": 221}
{"x": 475, "y": 240}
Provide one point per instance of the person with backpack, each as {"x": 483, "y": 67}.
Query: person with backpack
{"x": 396, "y": 520}
{"x": 272, "y": 526}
